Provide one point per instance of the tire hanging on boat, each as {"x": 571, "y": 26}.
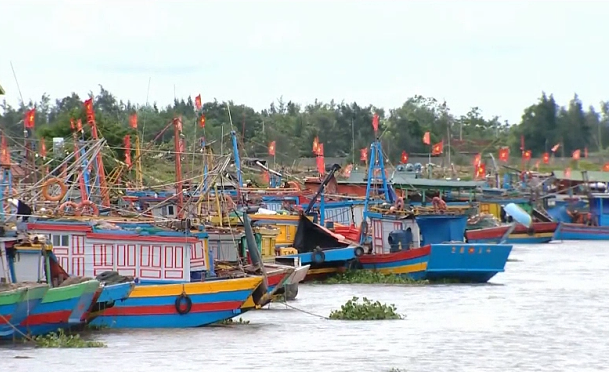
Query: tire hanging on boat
{"x": 46, "y": 189}
{"x": 183, "y": 298}
{"x": 318, "y": 256}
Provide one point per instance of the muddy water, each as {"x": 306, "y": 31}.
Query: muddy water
{"x": 548, "y": 312}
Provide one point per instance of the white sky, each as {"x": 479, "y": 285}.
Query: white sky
{"x": 497, "y": 55}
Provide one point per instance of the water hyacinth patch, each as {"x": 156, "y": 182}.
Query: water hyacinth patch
{"x": 365, "y": 310}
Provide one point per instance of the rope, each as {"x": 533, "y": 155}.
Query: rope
{"x": 304, "y": 311}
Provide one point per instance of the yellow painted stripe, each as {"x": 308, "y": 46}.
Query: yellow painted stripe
{"x": 422, "y": 266}
{"x": 536, "y": 235}
{"x": 249, "y": 303}
{"x": 228, "y": 285}
{"x": 327, "y": 270}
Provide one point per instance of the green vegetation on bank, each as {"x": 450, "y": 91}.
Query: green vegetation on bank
{"x": 365, "y": 310}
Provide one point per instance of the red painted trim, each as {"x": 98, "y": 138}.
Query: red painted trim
{"x": 61, "y": 316}
{"x": 63, "y": 228}
{"x": 142, "y": 238}
{"x": 498, "y": 232}
{"x": 398, "y": 256}
{"x": 170, "y": 309}
{"x": 276, "y": 278}
{"x": 5, "y": 319}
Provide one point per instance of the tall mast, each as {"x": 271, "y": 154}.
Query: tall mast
{"x": 177, "y": 140}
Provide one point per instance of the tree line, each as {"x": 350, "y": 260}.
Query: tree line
{"x": 344, "y": 128}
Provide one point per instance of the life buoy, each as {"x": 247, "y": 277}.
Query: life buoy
{"x": 87, "y": 204}
{"x": 46, "y": 189}
{"x": 399, "y": 204}
{"x": 183, "y": 304}
{"x": 438, "y": 204}
{"x": 318, "y": 256}
{"x": 69, "y": 204}
{"x": 294, "y": 185}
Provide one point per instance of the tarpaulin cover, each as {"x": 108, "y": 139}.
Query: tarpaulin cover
{"x": 310, "y": 236}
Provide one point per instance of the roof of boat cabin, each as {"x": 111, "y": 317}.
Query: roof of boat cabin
{"x": 407, "y": 179}
{"x": 576, "y": 175}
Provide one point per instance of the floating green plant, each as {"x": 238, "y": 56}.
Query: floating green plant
{"x": 232, "y": 321}
{"x": 365, "y": 310}
{"x": 60, "y": 339}
{"x": 371, "y": 277}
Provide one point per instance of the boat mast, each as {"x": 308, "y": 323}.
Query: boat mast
{"x": 105, "y": 192}
{"x": 177, "y": 140}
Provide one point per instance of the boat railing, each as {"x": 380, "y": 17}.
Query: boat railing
{"x": 423, "y": 211}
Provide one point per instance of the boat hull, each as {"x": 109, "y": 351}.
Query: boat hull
{"x": 572, "y": 231}
{"x": 539, "y": 233}
{"x": 15, "y": 306}
{"x": 156, "y": 306}
{"x": 471, "y": 263}
{"x": 60, "y": 308}
{"x": 110, "y": 294}
{"x": 334, "y": 261}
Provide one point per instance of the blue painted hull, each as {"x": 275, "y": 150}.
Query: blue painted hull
{"x": 333, "y": 261}
{"x": 472, "y": 263}
{"x": 519, "y": 240}
{"x": 570, "y": 231}
{"x": 154, "y": 306}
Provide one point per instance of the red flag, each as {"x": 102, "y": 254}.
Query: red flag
{"x": 375, "y": 122}
{"x": 426, "y": 139}
{"x": 202, "y": 121}
{"x": 265, "y": 177}
{"x": 315, "y": 145}
{"x": 477, "y": 160}
{"x": 43, "y": 148}
{"x": 30, "y": 118}
{"x": 320, "y": 149}
{"x": 272, "y": 148}
{"x": 404, "y": 158}
{"x": 480, "y": 170}
{"x": 89, "y": 111}
{"x": 438, "y": 148}
{"x": 363, "y": 154}
{"x": 585, "y": 152}
{"x": 5, "y": 157}
{"x": 527, "y": 155}
{"x": 504, "y": 154}
{"x": 555, "y": 147}
{"x": 198, "y": 104}
{"x": 321, "y": 164}
{"x": 133, "y": 121}
{"x": 72, "y": 124}
{"x": 546, "y": 158}
{"x": 127, "y": 150}
{"x": 79, "y": 125}
{"x": 576, "y": 154}
{"x": 606, "y": 167}
{"x": 568, "y": 173}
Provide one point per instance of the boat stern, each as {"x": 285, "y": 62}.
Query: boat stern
{"x": 470, "y": 263}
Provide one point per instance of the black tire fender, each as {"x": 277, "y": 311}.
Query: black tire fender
{"x": 106, "y": 275}
{"x": 183, "y": 304}
{"x": 318, "y": 256}
{"x": 359, "y": 251}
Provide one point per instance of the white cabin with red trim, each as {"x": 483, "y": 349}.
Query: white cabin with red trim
{"x": 81, "y": 250}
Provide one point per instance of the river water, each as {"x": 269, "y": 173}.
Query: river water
{"x": 547, "y": 312}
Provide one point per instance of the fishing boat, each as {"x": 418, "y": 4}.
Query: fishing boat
{"x": 177, "y": 282}
{"x": 537, "y": 233}
{"x": 64, "y": 305}
{"x": 424, "y": 242}
{"x": 17, "y": 300}
{"x": 596, "y": 224}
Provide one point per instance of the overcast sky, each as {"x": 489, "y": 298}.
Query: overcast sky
{"x": 496, "y": 55}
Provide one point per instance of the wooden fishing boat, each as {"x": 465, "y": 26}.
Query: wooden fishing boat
{"x": 17, "y": 300}
{"x": 538, "y": 233}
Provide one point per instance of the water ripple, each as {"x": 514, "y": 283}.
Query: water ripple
{"x": 547, "y": 312}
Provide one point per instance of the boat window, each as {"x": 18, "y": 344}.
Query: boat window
{"x": 170, "y": 210}
{"x": 61, "y": 240}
